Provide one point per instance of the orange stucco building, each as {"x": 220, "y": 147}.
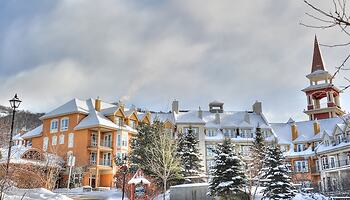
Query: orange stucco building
{"x": 92, "y": 131}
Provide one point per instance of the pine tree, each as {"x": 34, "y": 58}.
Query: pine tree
{"x": 275, "y": 175}
{"x": 255, "y": 164}
{"x": 227, "y": 176}
{"x": 190, "y": 157}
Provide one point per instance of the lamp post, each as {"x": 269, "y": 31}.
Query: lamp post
{"x": 14, "y": 102}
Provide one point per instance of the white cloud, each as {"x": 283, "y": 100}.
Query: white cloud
{"x": 149, "y": 54}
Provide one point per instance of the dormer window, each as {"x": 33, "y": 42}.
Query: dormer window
{"x": 326, "y": 143}
{"x": 119, "y": 121}
{"x": 133, "y": 124}
{"x": 211, "y": 133}
{"x": 300, "y": 147}
{"x": 339, "y": 138}
{"x": 54, "y": 126}
{"x": 64, "y": 124}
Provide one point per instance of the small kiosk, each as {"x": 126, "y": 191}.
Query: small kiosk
{"x": 139, "y": 185}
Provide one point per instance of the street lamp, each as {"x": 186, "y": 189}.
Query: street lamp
{"x": 14, "y": 102}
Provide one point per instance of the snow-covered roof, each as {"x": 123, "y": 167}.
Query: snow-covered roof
{"x": 94, "y": 119}
{"x": 163, "y": 117}
{"x": 109, "y": 111}
{"x": 227, "y": 119}
{"x": 305, "y": 130}
{"x": 73, "y": 106}
{"x": 139, "y": 178}
{"x": 306, "y": 153}
{"x": 77, "y": 106}
{"x": 189, "y": 117}
{"x": 322, "y": 148}
{"x": 33, "y": 133}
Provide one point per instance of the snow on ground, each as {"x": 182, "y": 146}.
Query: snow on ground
{"x": 299, "y": 196}
{"x": 34, "y": 194}
{"x": 160, "y": 196}
{"x": 113, "y": 194}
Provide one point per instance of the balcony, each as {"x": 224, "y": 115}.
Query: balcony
{"x": 104, "y": 146}
{"x": 105, "y": 164}
{"x": 336, "y": 165}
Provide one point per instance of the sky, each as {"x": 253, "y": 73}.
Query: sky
{"x": 148, "y": 53}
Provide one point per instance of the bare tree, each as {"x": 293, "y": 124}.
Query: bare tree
{"x": 161, "y": 157}
{"x": 336, "y": 16}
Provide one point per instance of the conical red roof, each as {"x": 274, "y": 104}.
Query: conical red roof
{"x": 317, "y": 62}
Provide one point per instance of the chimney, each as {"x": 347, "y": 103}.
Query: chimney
{"x": 217, "y": 118}
{"x": 257, "y": 107}
{"x": 200, "y": 113}
{"x": 317, "y": 127}
{"x": 294, "y": 129}
{"x": 175, "y": 106}
{"x": 98, "y": 104}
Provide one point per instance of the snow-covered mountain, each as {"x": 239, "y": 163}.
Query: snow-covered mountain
{"x": 24, "y": 120}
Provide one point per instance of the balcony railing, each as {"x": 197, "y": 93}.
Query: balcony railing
{"x": 106, "y": 144}
{"x": 102, "y": 143}
{"x": 336, "y": 164}
{"x": 106, "y": 162}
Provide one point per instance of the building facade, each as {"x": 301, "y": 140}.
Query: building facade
{"x": 94, "y": 132}
{"x": 319, "y": 150}
{"x": 213, "y": 125}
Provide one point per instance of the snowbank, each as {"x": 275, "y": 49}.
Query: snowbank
{"x": 160, "y": 196}
{"x": 34, "y": 194}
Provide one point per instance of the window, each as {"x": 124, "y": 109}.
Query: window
{"x": 339, "y": 138}
{"x": 93, "y": 157}
{"x": 133, "y": 124}
{"x": 210, "y": 149}
{"x": 45, "y": 143}
{"x": 61, "y": 139}
{"x": 54, "y": 126}
{"x": 326, "y": 143}
{"x": 211, "y": 132}
{"x": 107, "y": 140}
{"x": 64, "y": 124}
{"x": 188, "y": 129}
{"x": 70, "y": 140}
{"x": 107, "y": 159}
{"x": 332, "y": 162}
{"x": 119, "y": 140}
{"x": 54, "y": 140}
{"x": 301, "y": 166}
{"x": 119, "y": 121}
{"x": 246, "y": 134}
{"x": 125, "y": 140}
{"x": 324, "y": 163}
{"x": 93, "y": 139}
{"x": 300, "y": 147}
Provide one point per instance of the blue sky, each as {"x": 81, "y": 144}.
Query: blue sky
{"x": 148, "y": 53}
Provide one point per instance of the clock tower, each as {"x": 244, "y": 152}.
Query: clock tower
{"x": 322, "y": 96}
